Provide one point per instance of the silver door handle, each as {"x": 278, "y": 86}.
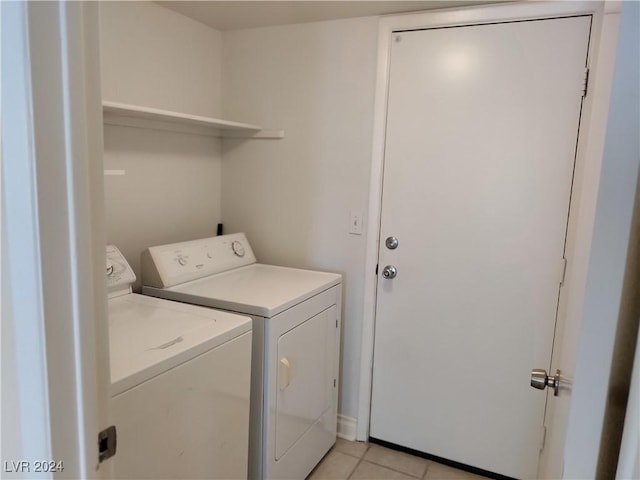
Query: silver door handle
{"x": 389, "y": 272}
{"x": 540, "y": 380}
{"x": 391, "y": 243}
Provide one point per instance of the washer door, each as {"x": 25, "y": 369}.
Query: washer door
{"x": 304, "y": 377}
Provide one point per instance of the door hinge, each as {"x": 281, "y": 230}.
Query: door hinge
{"x": 563, "y": 270}
{"x": 585, "y": 82}
{"x": 107, "y": 443}
{"x": 543, "y": 437}
{"x": 336, "y": 323}
{"x": 376, "y": 270}
{"x": 334, "y": 383}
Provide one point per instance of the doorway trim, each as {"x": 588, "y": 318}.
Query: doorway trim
{"x": 54, "y": 306}
{"x": 588, "y": 161}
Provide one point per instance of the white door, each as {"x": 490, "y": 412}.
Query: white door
{"x": 482, "y": 124}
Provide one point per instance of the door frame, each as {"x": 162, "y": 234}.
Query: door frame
{"x": 588, "y": 159}
{"x": 54, "y": 322}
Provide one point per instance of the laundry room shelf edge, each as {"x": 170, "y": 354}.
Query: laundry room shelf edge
{"x": 156, "y": 119}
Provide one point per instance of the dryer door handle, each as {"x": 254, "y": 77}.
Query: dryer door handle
{"x": 284, "y": 373}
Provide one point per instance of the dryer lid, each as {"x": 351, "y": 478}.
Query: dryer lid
{"x": 257, "y": 289}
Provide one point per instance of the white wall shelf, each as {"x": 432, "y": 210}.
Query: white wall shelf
{"x": 156, "y": 119}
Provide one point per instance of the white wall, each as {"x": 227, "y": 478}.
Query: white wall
{"x": 293, "y": 196}
{"x": 25, "y": 433}
{"x": 608, "y": 261}
{"x": 154, "y": 57}
{"x": 170, "y": 192}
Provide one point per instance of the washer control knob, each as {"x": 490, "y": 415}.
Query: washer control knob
{"x": 182, "y": 261}
{"x": 238, "y": 248}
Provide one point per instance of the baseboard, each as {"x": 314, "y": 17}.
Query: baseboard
{"x": 347, "y": 427}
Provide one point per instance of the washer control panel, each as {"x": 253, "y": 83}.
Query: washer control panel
{"x": 119, "y": 273}
{"x": 168, "y": 265}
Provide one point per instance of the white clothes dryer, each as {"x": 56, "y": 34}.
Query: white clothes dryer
{"x": 180, "y": 384}
{"x": 296, "y": 338}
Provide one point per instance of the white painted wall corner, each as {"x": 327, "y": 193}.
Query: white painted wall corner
{"x": 347, "y": 427}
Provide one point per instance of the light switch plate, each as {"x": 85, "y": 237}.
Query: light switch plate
{"x": 355, "y": 223}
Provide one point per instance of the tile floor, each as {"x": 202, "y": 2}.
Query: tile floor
{"x": 367, "y": 461}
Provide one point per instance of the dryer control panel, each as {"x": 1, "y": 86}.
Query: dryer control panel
{"x": 168, "y": 265}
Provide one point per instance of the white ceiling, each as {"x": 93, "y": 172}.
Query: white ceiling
{"x": 232, "y": 15}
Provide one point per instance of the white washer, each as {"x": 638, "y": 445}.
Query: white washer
{"x": 296, "y": 338}
{"x": 180, "y": 384}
